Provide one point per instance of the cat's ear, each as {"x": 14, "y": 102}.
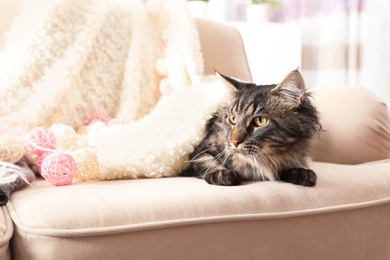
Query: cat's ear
{"x": 229, "y": 82}
{"x": 291, "y": 89}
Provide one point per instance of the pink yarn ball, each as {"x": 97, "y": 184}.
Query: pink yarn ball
{"x": 59, "y": 168}
{"x": 98, "y": 116}
{"x": 40, "y": 160}
{"x": 41, "y": 140}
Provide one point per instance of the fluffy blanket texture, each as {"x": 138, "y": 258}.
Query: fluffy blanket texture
{"x": 99, "y": 55}
{"x": 159, "y": 144}
{"x": 138, "y": 61}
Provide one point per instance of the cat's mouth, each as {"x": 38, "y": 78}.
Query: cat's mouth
{"x": 243, "y": 148}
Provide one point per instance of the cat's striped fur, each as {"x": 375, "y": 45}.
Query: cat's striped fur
{"x": 263, "y": 134}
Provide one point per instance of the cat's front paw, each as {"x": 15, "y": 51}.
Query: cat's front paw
{"x": 223, "y": 177}
{"x": 299, "y": 176}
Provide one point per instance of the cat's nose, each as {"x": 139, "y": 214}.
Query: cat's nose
{"x": 236, "y": 142}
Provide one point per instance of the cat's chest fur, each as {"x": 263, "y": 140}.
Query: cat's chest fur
{"x": 250, "y": 168}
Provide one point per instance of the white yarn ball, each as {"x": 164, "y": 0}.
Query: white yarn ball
{"x": 12, "y": 148}
{"x": 65, "y": 135}
{"x": 87, "y": 165}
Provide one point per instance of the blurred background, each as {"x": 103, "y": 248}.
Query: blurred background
{"x": 333, "y": 42}
{"x": 342, "y": 42}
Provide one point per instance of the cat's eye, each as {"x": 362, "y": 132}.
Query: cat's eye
{"x": 231, "y": 119}
{"x": 260, "y": 121}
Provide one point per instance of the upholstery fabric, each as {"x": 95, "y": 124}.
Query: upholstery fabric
{"x": 344, "y": 217}
{"x": 217, "y": 42}
{"x": 186, "y": 218}
{"x": 356, "y": 124}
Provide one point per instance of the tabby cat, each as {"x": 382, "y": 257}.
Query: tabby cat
{"x": 263, "y": 134}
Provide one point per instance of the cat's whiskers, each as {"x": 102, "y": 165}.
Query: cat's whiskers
{"x": 220, "y": 154}
{"x": 269, "y": 171}
{"x": 227, "y": 154}
{"x": 250, "y": 147}
{"x": 215, "y": 159}
{"x": 250, "y": 150}
{"x": 270, "y": 161}
{"x": 196, "y": 156}
{"x": 257, "y": 167}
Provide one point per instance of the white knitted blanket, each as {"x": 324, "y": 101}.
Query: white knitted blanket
{"x": 113, "y": 56}
{"x": 99, "y": 55}
{"x": 158, "y": 145}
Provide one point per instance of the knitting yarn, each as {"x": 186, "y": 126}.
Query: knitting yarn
{"x": 12, "y": 148}
{"x": 87, "y": 164}
{"x": 41, "y": 140}
{"x": 40, "y": 160}
{"x": 59, "y": 168}
{"x": 65, "y": 136}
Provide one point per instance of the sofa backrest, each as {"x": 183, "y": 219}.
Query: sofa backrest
{"x": 223, "y": 50}
{"x": 356, "y": 124}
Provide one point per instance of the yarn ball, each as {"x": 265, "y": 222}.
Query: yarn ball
{"x": 87, "y": 164}
{"x": 59, "y": 168}
{"x": 12, "y": 148}
{"x": 98, "y": 116}
{"x": 65, "y": 136}
{"x": 41, "y": 140}
{"x": 40, "y": 160}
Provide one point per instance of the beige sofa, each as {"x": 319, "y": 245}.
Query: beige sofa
{"x": 346, "y": 216}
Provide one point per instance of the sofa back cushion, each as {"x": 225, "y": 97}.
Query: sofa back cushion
{"x": 356, "y": 124}
{"x": 223, "y": 50}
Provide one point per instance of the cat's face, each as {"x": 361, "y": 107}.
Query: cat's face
{"x": 247, "y": 122}
{"x": 269, "y": 121}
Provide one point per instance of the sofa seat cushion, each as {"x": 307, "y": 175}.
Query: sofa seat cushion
{"x": 6, "y": 231}
{"x": 168, "y": 217}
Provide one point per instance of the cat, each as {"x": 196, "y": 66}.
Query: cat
{"x": 263, "y": 134}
